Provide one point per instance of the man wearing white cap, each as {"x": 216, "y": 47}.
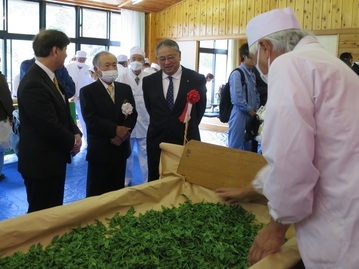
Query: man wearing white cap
{"x": 133, "y": 77}
{"x": 122, "y": 64}
{"x": 310, "y": 143}
{"x": 79, "y": 71}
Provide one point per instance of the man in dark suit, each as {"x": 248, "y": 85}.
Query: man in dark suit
{"x": 164, "y": 112}
{"x": 109, "y": 111}
{"x": 347, "y": 58}
{"x": 65, "y": 80}
{"x": 49, "y": 136}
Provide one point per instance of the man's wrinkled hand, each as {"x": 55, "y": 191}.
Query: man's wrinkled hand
{"x": 77, "y": 146}
{"x": 268, "y": 241}
{"x": 117, "y": 141}
{"x": 123, "y": 132}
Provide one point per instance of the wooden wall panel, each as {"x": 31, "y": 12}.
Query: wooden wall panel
{"x": 337, "y": 14}
{"x": 326, "y": 14}
{"x": 317, "y": 15}
{"x": 227, "y": 19}
{"x": 346, "y": 20}
{"x": 202, "y": 31}
{"x": 215, "y": 21}
{"x": 355, "y": 22}
{"x": 222, "y": 18}
{"x": 197, "y": 17}
{"x": 298, "y": 9}
{"x": 180, "y": 21}
{"x": 209, "y": 16}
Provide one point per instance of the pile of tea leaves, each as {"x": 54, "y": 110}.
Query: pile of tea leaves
{"x": 192, "y": 235}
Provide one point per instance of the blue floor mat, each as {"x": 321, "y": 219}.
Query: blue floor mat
{"x": 13, "y": 200}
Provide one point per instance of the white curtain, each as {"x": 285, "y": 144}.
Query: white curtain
{"x": 133, "y": 30}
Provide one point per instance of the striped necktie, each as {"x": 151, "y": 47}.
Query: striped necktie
{"x": 169, "y": 96}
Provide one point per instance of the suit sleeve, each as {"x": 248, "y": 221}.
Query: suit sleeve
{"x": 201, "y": 105}
{"x": 131, "y": 120}
{"x": 145, "y": 90}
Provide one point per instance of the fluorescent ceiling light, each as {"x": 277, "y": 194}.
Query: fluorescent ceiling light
{"x": 134, "y": 2}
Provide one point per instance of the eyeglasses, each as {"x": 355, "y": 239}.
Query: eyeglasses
{"x": 169, "y": 58}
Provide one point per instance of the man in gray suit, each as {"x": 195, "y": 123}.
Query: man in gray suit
{"x": 165, "y": 109}
{"x": 48, "y": 136}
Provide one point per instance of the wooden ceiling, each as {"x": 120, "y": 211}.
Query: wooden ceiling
{"x": 147, "y": 6}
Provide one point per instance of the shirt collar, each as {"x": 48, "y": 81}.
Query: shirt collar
{"x": 176, "y": 75}
{"x": 105, "y": 84}
{"x": 46, "y": 69}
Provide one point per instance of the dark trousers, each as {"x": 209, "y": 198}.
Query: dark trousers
{"x": 105, "y": 177}
{"x": 44, "y": 193}
{"x": 153, "y": 162}
{"x": 254, "y": 146}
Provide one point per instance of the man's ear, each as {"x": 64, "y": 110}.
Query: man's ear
{"x": 266, "y": 46}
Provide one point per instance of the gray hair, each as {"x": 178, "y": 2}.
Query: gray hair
{"x": 283, "y": 41}
{"x": 167, "y": 43}
{"x": 96, "y": 59}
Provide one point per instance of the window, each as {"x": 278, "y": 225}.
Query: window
{"x": 213, "y": 59}
{"x": 24, "y": 17}
{"x": 17, "y": 52}
{"x": 91, "y": 50}
{"x": 2, "y": 14}
{"x": 97, "y": 30}
{"x": 115, "y": 33}
{"x": 94, "y": 23}
{"x": 61, "y": 18}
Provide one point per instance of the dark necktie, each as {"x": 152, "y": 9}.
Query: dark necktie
{"x": 169, "y": 97}
{"x": 137, "y": 79}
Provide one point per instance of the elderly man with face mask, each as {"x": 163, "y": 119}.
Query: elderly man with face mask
{"x": 310, "y": 143}
{"x": 133, "y": 77}
{"x": 110, "y": 114}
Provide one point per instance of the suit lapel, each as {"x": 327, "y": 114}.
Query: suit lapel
{"x": 118, "y": 98}
{"x": 50, "y": 83}
{"x": 183, "y": 87}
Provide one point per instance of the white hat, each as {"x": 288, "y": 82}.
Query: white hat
{"x": 92, "y": 68}
{"x": 81, "y": 54}
{"x": 137, "y": 50}
{"x": 156, "y": 66}
{"x": 149, "y": 70}
{"x": 271, "y": 22}
{"x": 122, "y": 58}
{"x": 147, "y": 61}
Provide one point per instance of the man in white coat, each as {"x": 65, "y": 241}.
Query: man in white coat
{"x": 133, "y": 77}
{"x": 79, "y": 71}
{"x": 122, "y": 64}
{"x": 310, "y": 141}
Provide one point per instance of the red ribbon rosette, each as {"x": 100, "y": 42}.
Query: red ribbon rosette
{"x": 192, "y": 98}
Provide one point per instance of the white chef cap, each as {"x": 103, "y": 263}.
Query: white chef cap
{"x": 156, "y": 66}
{"x": 81, "y": 54}
{"x": 137, "y": 50}
{"x": 271, "y": 22}
{"x": 122, "y": 58}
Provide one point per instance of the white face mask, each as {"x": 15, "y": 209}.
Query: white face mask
{"x": 263, "y": 77}
{"x": 80, "y": 64}
{"x": 109, "y": 76}
{"x": 135, "y": 66}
